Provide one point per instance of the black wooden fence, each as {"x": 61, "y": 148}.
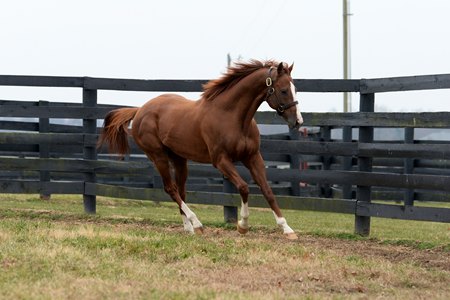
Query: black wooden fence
{"x": 344, "y": 175}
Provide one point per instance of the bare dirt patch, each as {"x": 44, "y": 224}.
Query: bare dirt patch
{"x": 324, "y": 267}
{"x": 366, "y": 248}
{"x": 437, "y": 258}
{"x": 329, "y": 267}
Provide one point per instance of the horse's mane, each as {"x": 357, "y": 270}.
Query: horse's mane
{"x": 234, "y": 74}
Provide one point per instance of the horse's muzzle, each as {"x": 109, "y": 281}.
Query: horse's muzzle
{"x": 296, "y": 125}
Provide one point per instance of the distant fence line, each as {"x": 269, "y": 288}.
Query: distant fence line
{"x": 312, "y": 172}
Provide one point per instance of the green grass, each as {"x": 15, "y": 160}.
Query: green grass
{"x": 423, "y": 235}
{"x": 137, "y": 250}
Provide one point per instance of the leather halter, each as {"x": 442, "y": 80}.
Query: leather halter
{"x": 281, "y": 108}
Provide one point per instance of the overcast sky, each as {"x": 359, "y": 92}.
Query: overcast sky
{"x": 190, "y": 40}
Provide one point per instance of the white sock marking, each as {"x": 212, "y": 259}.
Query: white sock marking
{"x": 190, "y": 215}
{"x": 243, "y": 223}
{"x": 187, "y": 224}
{"x": 281, "y": 222}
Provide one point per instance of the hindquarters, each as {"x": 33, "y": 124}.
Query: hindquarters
{"x": 115, "y": 130}
{"x": 172, "y": 124}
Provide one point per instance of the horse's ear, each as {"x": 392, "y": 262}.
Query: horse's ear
{"x": 291, "y": 67}
{"x": 280, "y": 68}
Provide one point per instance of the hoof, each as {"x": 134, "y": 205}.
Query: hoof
{"x": 198, "y": 230}
{"x": 242, "y": 230}
{"x": 291, "y": 236}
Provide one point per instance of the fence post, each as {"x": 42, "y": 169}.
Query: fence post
{"x": 230, "y": 213}
{"x": 294, "y": 163}
{"x": 347, "y": 136}
{"x": 44, "y": 152}
{"x": 89, "y": 151}
{"x": 157, "y": 183}
{"x": 408, "y": 197}
{"x": 363, "y": 193}
{"x": 325, "y": 136}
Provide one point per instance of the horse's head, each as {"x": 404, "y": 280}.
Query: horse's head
{"x": 281, "y": 95}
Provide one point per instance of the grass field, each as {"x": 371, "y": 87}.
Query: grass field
{"x": 138, "y": 250}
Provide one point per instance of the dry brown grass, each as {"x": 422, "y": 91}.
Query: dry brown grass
{"x": 256, "y": 266}
{"x": 49, "y": 255}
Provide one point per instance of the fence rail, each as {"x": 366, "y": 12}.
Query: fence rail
{"x": 313, "y": 172}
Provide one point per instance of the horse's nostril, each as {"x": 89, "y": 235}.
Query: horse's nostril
{"x": 296, "y": 125}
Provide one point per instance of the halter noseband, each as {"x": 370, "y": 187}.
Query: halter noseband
{"x": 281, "y": 108}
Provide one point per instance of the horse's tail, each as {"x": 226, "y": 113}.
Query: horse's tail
{"x": 115, "y": 130}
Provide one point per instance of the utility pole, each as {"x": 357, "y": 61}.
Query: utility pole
{"x": 346, "y": 51}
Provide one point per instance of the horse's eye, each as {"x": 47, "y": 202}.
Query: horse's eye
{"x": 284, "y": 92}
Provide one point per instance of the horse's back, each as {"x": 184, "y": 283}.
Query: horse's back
{"x": 167, "y": 102}
{"x": 166, "y": 106}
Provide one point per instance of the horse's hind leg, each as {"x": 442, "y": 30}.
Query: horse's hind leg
{"x": 180, "y": 165}
{"x": 181, "y": 172}
{"x": 161, "y": 161}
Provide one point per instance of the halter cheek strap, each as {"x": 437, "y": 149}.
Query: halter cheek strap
{"x": 281, "y": 108}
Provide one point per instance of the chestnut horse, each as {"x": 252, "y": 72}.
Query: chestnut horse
{"x": 219, "y": 129}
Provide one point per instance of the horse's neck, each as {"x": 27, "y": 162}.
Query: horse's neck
{"x": 243, "y": 99}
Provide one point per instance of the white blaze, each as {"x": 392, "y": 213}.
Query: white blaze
{"x": 299, "y": 115}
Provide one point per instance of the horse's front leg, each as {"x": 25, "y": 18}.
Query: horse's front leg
{"x": 226, "y": 166}
{"x": 255, "y": 164}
